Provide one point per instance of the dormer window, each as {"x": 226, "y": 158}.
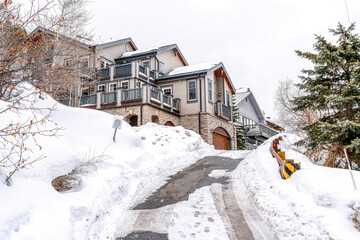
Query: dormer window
{"x": 161, "y": 67}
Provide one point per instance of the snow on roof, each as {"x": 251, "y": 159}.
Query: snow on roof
{"x": 193, "y": 68}
{"x": 138, "y": 52}
{"x": 241, "y": 94}
{"x": 149, "y": 50}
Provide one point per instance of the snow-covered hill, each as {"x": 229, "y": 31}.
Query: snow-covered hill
{"x": 31, "y": 209}
{"x": 315, "y": 203}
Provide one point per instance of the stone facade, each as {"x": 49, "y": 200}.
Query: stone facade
{"x": 191, "y": 121}
{"x": 147, "y": 114}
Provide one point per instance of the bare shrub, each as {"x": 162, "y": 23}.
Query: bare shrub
{"x": 86, "y": 168}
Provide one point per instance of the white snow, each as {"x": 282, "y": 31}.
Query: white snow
{"x": 31, "y": 209}
{"x": 193, "y": 68}
{"x": 129, "y": 54}
{"x": 197, "y": 218}
{"x": 315, "y": 203}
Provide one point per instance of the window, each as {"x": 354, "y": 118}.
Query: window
{"x": 125, "y": 84}
{"x": 227, "y": 98}
{"x": 112, "y": 87}
{"x": 68, "y": 62}
{"x": 167, "y": 90}
{"x": 210, "y": 90}
{"x": 191, "y": 85}
{"x": 101, "y": 88}
{"x": 161, "y": 67}
{"x": 146, "y": 63}
{"x": 104, "y": 64}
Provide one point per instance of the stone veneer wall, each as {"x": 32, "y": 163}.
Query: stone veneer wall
{"x": 208, "y": 124}
{"x": 147, "y": 112}
{"x": 208, "y": 121}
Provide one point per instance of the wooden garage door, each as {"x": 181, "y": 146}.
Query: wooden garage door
{"x": 220, "y": 142}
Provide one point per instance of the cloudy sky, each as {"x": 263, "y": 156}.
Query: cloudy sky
{"x": 255, "y": 39}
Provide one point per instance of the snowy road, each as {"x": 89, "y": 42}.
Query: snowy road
{"x": 200, "y": 202}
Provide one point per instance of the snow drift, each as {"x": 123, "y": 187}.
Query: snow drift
{"x": 31, "y": 209}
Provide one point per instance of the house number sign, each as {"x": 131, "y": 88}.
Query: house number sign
{"x": 117, "y": 123}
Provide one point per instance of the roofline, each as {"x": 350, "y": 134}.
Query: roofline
{"x": 227, "y": 77}
{"x": 50, "y": 32}
{"x": 182, "y": 75}
{"x": 255, "y": 104}
{"x": 120, "y": 41}
{"x": 154, "y": 52}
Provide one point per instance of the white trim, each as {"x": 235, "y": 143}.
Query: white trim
{"x": 102, "y": 85}
{"x": 112, "y": 84}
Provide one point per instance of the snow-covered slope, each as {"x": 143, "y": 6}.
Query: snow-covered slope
{"x": 31, "y": 209}
{"x": 315, "y": 203}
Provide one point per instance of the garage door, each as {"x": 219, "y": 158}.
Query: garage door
{"x": 220, "y": 142}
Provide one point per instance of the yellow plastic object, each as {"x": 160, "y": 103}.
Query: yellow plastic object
{"x": 288, "y": 169}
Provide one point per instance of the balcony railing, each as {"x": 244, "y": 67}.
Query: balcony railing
{"x": 109, "y": 97}
{"x": 154, "y": 94}
{"x": 152, "y": 75}
{"x": 166, "y": 99}
{"x": 223, "y": 111}
{"x": 142, "y": 70}
{"x": 176, "y": 104}
{"x": 104, "y": 74}
{"x": 131, "y": 97}
{"x": 88, "y": 100}
{"x": 122, "y": 70}
{"x": 260, "y": 129}
{"x": 132, "y": 94}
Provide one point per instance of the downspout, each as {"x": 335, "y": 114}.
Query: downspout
{"x": 200, "y": 96}
{"x": 141, "y": 115}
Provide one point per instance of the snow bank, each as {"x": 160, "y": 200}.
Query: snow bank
{"x": 32, "y": 209}
{"x": 315, "y": 203}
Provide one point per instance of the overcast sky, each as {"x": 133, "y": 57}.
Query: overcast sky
{"x": 255, "y": 39}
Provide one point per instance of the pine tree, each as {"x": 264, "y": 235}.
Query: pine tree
{"x": 240, "y": 130}
{"x": 332, "y": 87}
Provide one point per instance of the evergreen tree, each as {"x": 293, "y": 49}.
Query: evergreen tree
{"x": 333, "y": 88}
{"x": 240, "y": 130}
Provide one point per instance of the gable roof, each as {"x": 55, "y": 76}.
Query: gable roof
{"x": 242, "y": 94}
{"x": 118, "y": 42}
{"x": 40, "y": 30}
{"x": 151, "y": 51}
{"x": 198, "y": 69}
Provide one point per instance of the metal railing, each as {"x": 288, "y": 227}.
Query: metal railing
{"x": 88, "y": 100}
{"x": 260, "y": 129}
{"x": 109, "y": 97}
{"x": 222, "y": 110}
{"x": 152, "y": 74}
{"x": 154, "y": 94}
{"x": 166, "y": 99}
{"x": 122, "y": 70}
{"x": 142, "y": 70}
{"x": 176, "y": 103}
{"x": 132, "y": 94}
{"x": 104, "y": 73}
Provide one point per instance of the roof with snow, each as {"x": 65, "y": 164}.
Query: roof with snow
{"x": 241, "y": 95}
{"x": 197, "y": 69}
{"x": 117, "y": 42}
{"x": 151, "y": 51}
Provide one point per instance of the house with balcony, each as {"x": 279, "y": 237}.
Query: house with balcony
{"x": 257, "y": 128}
{"x": 152, "y": 85}
{"x": 158, "y": 85}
